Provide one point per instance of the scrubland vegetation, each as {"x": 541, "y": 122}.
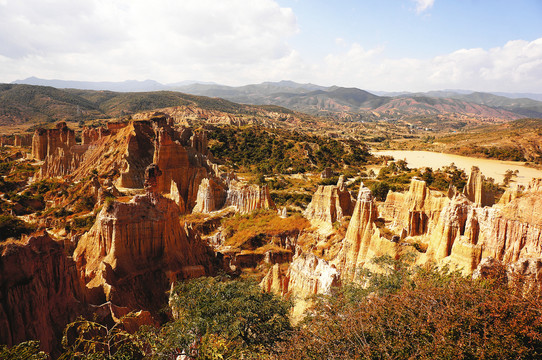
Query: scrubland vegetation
{"x": 398, "y": 312}
{"x": 269, "y": 151}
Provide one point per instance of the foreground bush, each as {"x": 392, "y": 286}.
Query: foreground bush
{"x": 426, "y": 314}
{"x": 215, "y": 319}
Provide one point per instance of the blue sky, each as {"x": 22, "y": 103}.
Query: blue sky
{"x": 390, "y": 45}
{"x": 404, "y": 31}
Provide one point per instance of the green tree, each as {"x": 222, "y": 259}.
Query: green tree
{"x": 380, "y": 190}
{"x": 228, "y": 319}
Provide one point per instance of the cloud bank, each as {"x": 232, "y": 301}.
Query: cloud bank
{"x": 166, "y": 40}
{"x": 515, "y": 66}
{"x": 233, "y": 42}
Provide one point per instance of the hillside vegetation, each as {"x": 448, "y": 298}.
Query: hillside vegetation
{"x": 27, "y": 103}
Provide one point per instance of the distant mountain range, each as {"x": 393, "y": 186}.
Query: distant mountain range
{"x": 337, "y": 102}
{"x": 332, "y": 100}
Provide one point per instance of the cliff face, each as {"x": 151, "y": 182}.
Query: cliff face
{"x": 467, "y": 233}
{"x": 306, "y": 276}
{"x": 45, "y": 142}
{"x": 124, "y": 150}
{"x": 415, "y": 211}
{"x": 135, "y": 250}
{"x": 330, "y": 203}
{"x": 363, "y": 238}
{"x": 246, "y": 198}
{"x": 457, "y": 231}
{"x": 211, "y": 196}
{"x": 22, "y": 140}
{"x": 91, "y": 135}
{"x": 182, "y": 165}
{"x": 39, "y": 293}
{"x": 475, "y": 190}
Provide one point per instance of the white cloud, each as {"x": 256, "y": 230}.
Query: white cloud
{"x": 166, "y": 40}
{"x": 422, "y": 5}
{"x": 233, "y": 42}
{"x": 516, "y": 66}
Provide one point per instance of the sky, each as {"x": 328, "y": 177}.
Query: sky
{"x": 379, "y": 45}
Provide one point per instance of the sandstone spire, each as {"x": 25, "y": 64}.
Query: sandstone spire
{"x": 475, "y": 189}
{"x": 330, "y": 203}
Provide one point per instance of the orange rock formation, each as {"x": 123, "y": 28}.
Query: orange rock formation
{"x": 330, "y": 203}
{"x": 246, "y": 198}
{"x": 135, "y": 250}
{"x": 40, "y": 291}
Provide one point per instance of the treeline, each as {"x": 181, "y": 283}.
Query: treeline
{"x": 493, "y": 152}
{"x": 279, "y": 151}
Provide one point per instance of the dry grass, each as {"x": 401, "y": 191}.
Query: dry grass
{"x": 246, "y": 227}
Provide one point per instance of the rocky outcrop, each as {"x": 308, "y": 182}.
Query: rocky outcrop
{"x": 363, "y": 239}
{"x": 476, "y": 191}
{"x": 330, "y": 203}
{"x": 23, "y": 140}
{"x": 199, "y": 142}
{"x": 136, "y": 153}
{"x": 46, "y": 142}
{"x": 466, "y": 233}
{"x": 248, "y": 197}
{"x": 124, "y": 150}
{"x": 40, "y": 291}
{"x": 90, "y": 135}
{"x": 6, "y": 140}
{"x": 136, "y": 249}
{"x": 416, "y": 211}
{"x": 511, "y": 193}
{"x": 182, "y": 165}
{"x": 306, "y": 276}
{"x": 62, "y": 162}
{"x": 211, "y": 196}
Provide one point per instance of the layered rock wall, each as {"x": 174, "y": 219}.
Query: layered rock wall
{"x": 248, "y": 197}
{"x": 475, "y": 190}
{"x": 45, "y": 142}
{"x": 40, "y": 291}
{"x": 182, "y": 165}
{"x": 467, "y": 233}
{"x": 416, "y": 211}
{"x": 91, "y": 135}
{"x": 211, "y": 196}
{"x": 330, "y": 203}
{"x": 363, "y": 239}
{"x": 22, "y": 140}
{"x": 135, "y": 250}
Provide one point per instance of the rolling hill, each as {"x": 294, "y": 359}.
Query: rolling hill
{"x": 21, "y": 103}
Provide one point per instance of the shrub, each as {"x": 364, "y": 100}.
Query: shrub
{"x": 416, "y": 313}
{"x": 10, "y": 226}
{"x": 28, "y": 350}
{"x": 221, "y": 320}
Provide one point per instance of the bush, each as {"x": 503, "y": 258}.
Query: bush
{"x": 29, "y": 350}
{"x": 380, "y": 190}
{"x": 10, "y": 226}
{"x": 415, "y": 313}
{"x": 222, "y": 319}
